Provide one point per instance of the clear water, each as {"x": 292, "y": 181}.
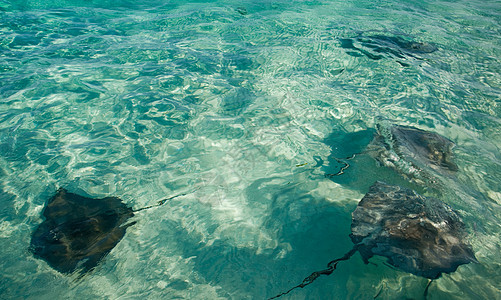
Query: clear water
{"x": 244, "y": 105}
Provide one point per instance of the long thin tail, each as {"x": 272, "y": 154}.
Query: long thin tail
{"x": 425, "y": 295}
{"x": 331, "y": 266}
{"x": 161, "y": 202}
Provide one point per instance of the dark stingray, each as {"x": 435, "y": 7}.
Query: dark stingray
{"x": 421, "y": 157}
{"x": 379, "y": 46}
{"x": 406, "y": 45}
{"x": 78, "y": 231}
{"x": 417, "y": 234}
{"x": 242, "y": 10}
{"x": 413, "y": 151}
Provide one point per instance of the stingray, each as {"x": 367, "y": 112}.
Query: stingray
{"x": 406, "y": 45}
{"x": 415, "y": 152}
{"x": 78, "y": 232}
{"x": 417, "y": 234}
{"x": 376, "y": 47}
{"x": 419, "y": 156}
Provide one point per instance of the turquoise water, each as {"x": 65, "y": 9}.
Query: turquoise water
{"x": 245, "y": 106}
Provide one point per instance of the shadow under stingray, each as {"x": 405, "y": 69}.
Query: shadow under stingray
{"x": 293, "y": 219}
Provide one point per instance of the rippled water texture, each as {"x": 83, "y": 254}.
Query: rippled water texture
{"x": 255, "y": 109}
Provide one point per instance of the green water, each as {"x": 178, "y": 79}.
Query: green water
{"x": 245, "y": 106}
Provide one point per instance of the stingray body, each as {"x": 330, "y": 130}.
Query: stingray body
{"x": 78, "y": 231}
{"x": 407, "y": 45}
{"x": 417, "y": 234}
{"x": 414, "y": 152}
{"x": 376, "y": 47}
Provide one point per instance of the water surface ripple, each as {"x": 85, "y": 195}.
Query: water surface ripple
{"x": 245, "y": 106}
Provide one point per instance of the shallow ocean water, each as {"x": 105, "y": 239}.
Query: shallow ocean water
{"x": 246, "y": 106}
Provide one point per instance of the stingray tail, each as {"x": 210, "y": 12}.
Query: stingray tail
{"x": 344, "y": 167}
{"x": 161, "y": 202}
{"x": 331, "y": 266}
{"x": 425, "y": 295}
